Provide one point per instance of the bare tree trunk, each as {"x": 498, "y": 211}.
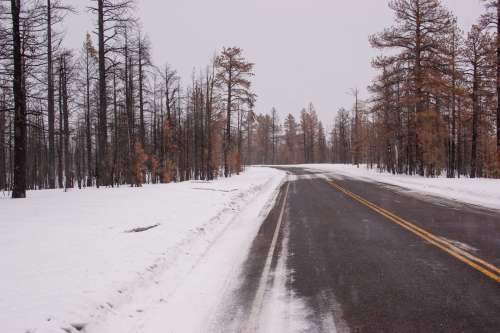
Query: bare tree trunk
{"x": 88, "y": 132}
{"x": 418, "y": 91}
{"x": 249, "y": 160}
{"x": 60, "y": 155}
{"x": 50, "y": 99}
{"x": 498, "y": 86}
{"x": 131, "y": 118}
{"x": 68, "y": 173}
{"x": 142, "y": 127}
{"x": 356, "y": 129}
{"x": 3, "y": 155}
{"x": 459, "y": 140}
{"x": 209, "y": 106}
{"x": 452, "y": 165}
{"x": 115, "y": 133}
{"x": 274, "y": 134}
{"x": 19, "y": 186}
{"x": 227, "y": 141}
{"x": 154, "y": 134}
{"x": 102, "y": 123}
{"x": 475, "y": 123}
{"x": 240, "y": 142}
{"x": 79, "y": 160}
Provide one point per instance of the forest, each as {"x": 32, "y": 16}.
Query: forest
{"x": 433, "y": 108}
{"x": 106, "y": 115}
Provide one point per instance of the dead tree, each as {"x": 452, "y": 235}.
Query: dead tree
{"x": 475, "y": 55}
{"x": 111, "y": 17}
{"x": 19, "y": 186}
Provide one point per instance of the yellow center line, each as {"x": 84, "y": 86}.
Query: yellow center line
{"x": 482, "y": 266}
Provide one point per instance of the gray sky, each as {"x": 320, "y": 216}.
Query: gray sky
{"x": 304, "y": 50}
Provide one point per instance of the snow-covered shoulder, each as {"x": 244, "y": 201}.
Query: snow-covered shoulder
{"x": 481, "y": 192}
{"x": 76, "y": 259}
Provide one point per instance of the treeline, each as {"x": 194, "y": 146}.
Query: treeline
{"x": 271, "y": 140}
{"x": 106, "y": 115}
{"x": 434, "y": 106}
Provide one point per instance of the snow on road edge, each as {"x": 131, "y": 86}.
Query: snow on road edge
{"x": 283, "y": 310}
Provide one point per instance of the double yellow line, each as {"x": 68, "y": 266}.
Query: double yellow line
{"x": 482, "y": 266}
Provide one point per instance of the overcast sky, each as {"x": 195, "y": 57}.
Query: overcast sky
{"x": 304, "y": 50}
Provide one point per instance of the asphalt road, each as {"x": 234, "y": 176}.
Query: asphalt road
{"x": 374, "y": 258}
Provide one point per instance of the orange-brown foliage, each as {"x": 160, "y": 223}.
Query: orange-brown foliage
{"x": 139, "y": 167}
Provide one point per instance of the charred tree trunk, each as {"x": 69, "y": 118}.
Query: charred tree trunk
{"x": 19, "y": 186}
{"x": 115, "y": 133}
{"x": 3, "y": 155}
{"x": 50, "y": 100}
{"x": 142, "y": 127}
{"x": 88, "y": 125}
{"x": 68, "y": 171}
{"x": 60, "y": 152}
{"x": 102, "y": 135}
{"x": 498, "y": 86}
{"x": 129, "y": 76}
{"x": 209, "y": 106}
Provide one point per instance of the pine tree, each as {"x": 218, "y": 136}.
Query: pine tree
{"x": 420, "y": 29}
{"x": 476, "y": 51}
{"x": 233, "y": 74}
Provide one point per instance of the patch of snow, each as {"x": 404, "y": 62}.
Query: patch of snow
{"x": 285, "y": 311}
{"x": 295, "y": 178}
{"x": 69, "y": 263}
{"x": 282, "y": 310}
{"x": 460, "y": 245}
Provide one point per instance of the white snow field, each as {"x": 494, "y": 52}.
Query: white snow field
{"x": 481, "y": 192}
{"x": 83, "y": 261}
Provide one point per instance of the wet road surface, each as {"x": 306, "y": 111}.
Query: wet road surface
{"x": 379, "y": 260}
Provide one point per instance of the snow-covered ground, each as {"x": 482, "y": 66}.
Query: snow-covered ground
{"x": 482, "y": 192}
{"x": 84, "y": 259}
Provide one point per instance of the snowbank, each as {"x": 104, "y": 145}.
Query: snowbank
{"x": 482, "y": 192}
{"x": 86, "y": 257}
